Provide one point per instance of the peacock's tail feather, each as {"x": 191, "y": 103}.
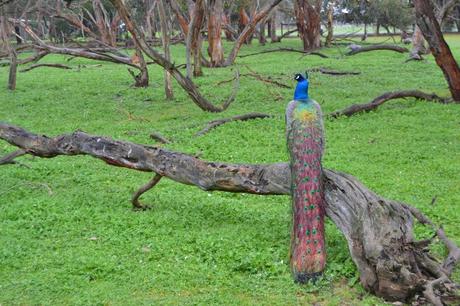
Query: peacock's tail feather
{"x": 305, "y": 144}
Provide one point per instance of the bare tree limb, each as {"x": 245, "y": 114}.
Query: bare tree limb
{"x": 366, "y": 107}
{"x": 215, "y": 123}
{"x": 61, "y": 66}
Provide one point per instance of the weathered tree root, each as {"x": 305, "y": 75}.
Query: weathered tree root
{"x": 135, "y": 199}
{"x": 215, "y": 123}
{"x": 379, "y": 232}
{"x": 61, "y": 66}
{"x": 286, "y": 50}
{"x": 366, "y": 107}
{"x": 355, "y": 49}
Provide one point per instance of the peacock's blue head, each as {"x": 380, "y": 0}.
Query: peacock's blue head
{"x": 301, "y": 90}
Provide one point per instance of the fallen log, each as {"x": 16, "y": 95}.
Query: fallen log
{"x": 391, "y": 262}
{"x": 355, "y": 49}
{"x": 367, "y": 107}
{"x": 286, "y": 50}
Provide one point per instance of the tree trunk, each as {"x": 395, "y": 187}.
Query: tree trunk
{"x": 391, "y": 262}
{"x": 215, "y": 50}
{"x": 13, "y": 69}
{"x": 5, "y": 38}
{"x": 262, "y": 39}
{"x": 308, "y": 22}
{"x": 100, "y": 16}
{"x": 165, "y": 40}
{"x": 418, "y": 44}
{"x": 272, "y": 27}
{"x": 330, "y": 23}
{"x": 149, "y": 20}
{"x": 242, "y": 23}
{"x": 182, "y": 20}
{"x": 430, "y": 28}
{"x": 194, "y": 40}
{"x": 227, "y": 25}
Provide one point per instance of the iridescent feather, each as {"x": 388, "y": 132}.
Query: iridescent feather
{"x": 304, "y": 127}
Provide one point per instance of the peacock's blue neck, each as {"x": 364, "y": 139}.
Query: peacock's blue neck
{"x": 301, "y": 91}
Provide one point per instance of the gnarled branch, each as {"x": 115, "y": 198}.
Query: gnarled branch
{"x": 366, "y": 107}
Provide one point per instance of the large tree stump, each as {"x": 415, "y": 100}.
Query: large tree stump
{"x": 379, "y": 232}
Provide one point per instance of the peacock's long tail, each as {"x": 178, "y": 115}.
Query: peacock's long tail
{"x": 305, "y": 144}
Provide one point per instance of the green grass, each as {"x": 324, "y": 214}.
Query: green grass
{"x": 68, "y": 234}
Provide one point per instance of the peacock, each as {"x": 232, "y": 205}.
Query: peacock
{"x": 305, "y": 142}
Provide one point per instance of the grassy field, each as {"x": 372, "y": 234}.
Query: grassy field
{"x": 68, "y": 235}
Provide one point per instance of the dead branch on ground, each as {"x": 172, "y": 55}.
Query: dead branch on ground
{"x": 286, "y": 50}
{"x": 61, "y": 66}
{"x": 333, "y": 72}
{"x": 215, "y": 123}
{"x": 366, "y": 107}
{"x": 355, "y": 49}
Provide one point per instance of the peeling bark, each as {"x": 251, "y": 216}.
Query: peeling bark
{"x": 308, "y": 18}
{"x": 215, "y": 49}
{"x": 379, "y": 232}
